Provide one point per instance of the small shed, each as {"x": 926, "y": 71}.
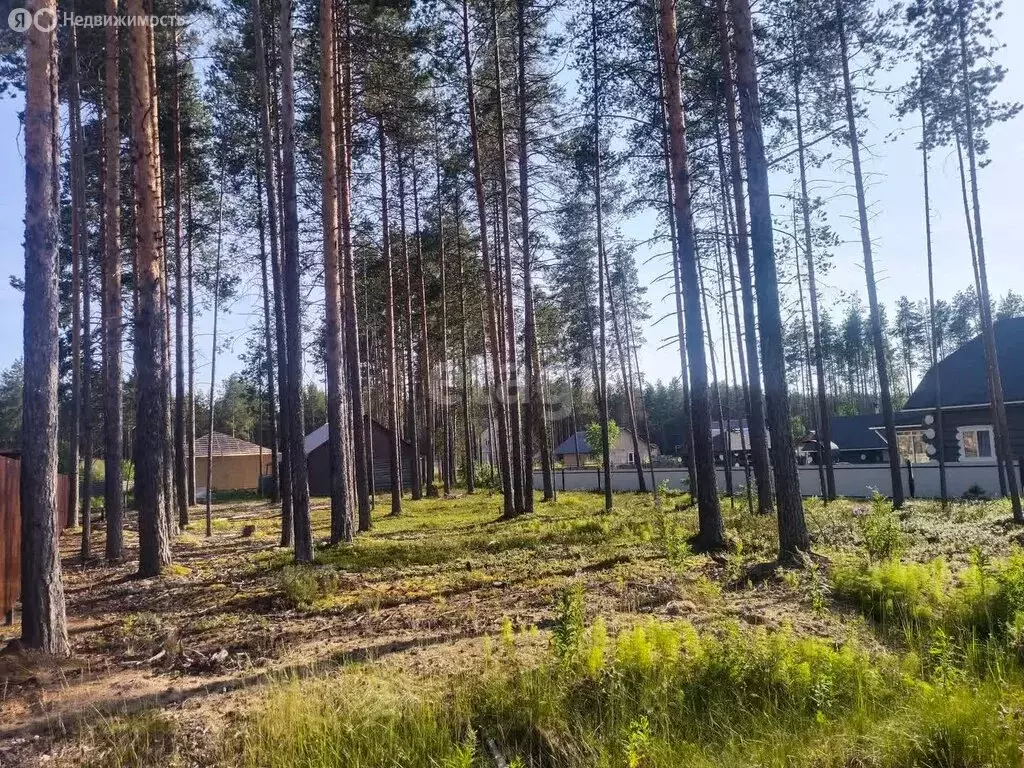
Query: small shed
{"x": 238, "y": 464}
{"x": 318, "y": 459}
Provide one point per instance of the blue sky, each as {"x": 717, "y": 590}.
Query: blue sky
{"x": 897, "y": 224}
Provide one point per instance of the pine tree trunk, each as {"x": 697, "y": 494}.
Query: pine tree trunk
{"x": 536, "y": 414}
{"x": 492, "y": 338}
{"x": 341, "y": 511}
{"x": 113, "y": 390}
{"x": 424, "y": 351}
{"x": 213, "y": 355}
{"x": 180, "y": 482}
{"x": 150, "y": 382}
{"x": 350, "y": 308}
{"x": 711, "y": 529}
{"x": 292, "y": 300}
{"x": 410, "y": 372}
{"x": 43, "y": 621}
{"x": 448, "y": 475}
{"x": 723, "y": 426}
{"x": 268, "y": 343}
{"x": 467, "y": 435}
{"x": 877, "y": 336}
{"x": 391, "y": 364}
{"x": 933, "y": 340}
{"x": 602, "y": 383}
{"x": 80, "y": 333}
{"x": 987, "y": 329}
{"x": 824, "y": 435}
{"x": 626, "y": 371}
{"x": 522, "y": 475}
{"x": 270, "y": 171}
{"x": 684, "y": 379}
{"x": 75, "y": 420}
{"x": 756, "y": 409}
{"x": 793, "y": 536}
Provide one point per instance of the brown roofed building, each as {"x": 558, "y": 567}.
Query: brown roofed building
{"x": 238, "y": 464}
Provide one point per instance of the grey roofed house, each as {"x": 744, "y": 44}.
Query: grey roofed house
{"x": 574, "y": 450}
{"x": 855, "y": 439}
{"x": 968, "y": 434}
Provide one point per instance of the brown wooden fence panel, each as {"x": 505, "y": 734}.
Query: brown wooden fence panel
{"x": 10, "y": 533}
{"x": 10, "y": 528}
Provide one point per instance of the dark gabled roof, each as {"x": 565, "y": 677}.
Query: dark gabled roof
{"x": 574, "y": 444}
{"x": 738, "y": 439}
{"x": 963, "y": 372}
{"x": 857, "y": 433}
{"x": 319, "y": 436}
{"x": 226, "y": 445}
{"x": 578, "y": 443}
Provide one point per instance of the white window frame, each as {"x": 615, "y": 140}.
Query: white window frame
{"x": 976, "y": 428}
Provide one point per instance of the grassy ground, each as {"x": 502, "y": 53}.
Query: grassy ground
{"x": 447, "y": 637}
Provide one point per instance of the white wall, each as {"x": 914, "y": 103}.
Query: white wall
{"x": 854, "y": 480}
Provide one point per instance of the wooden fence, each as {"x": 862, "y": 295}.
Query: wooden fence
{"x": 10, "y": 528}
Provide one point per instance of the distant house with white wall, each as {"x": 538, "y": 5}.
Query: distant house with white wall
{"x": 574, "y": 451}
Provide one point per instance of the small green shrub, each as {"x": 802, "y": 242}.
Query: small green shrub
{"x": 303, "y": 585}
{"x": 880, "y": 529}
{"x": 570, "y": 624}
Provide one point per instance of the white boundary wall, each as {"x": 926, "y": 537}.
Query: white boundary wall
{"x": 854, "y": 480}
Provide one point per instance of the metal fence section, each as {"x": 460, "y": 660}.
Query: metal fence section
{"x": 10, "y": 529}
{"x": 972, "y": 479}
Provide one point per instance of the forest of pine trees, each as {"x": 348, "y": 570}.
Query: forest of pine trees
{"x": 424, "y": 214}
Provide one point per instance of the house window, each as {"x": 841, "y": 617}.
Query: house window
{"x": 976, "y": 443}
{"x": 630, "y": 460}
{"x": 913, "y": 446}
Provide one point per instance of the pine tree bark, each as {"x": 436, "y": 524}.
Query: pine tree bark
{"x": 341, "y": 511}
{"x": 491, "y": 334}
{"x": 180, "y": 482}
{"x": 113, "y": 390}
{"x": 213, "y": 355}
{"x": 75, "y": 420}
{"x": 877, "y": 336}
{"x": 410, "y": 371}
{"x": 824, "y": 435}
{"x": 350, "y": 306}
{"x": 536, "y": 414}
{"x": 190, "y": 413}
{"x": 277, "y": 279}
{"x": 151, "y": 385}
{"x": 756, "y": 418}
{"x": 43, "y": 620}
{"x": 626, "y": 372}
{"x": 684, "y": 379}
{"x": 448, "y": 474}
{"x": 81, "y": 341}
{"x": 268, "y": 343}
{"x": 424, "y": 351}
{"x": 292, "y": 300}
{"x": 793, "y": 535}
{"x": 467, "y": 435}
{"x": 391, "y": 374}
{"x": 933, "y": 335}
{"x": 602, "y": 383}
{"x": 987, "y": 329}
{"x": 711, "y": 529}
{"x": 522, "y": 475}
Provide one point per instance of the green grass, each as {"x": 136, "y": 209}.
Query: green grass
{"x": 657, "y": 694}
{"x": 900, "y": 649}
